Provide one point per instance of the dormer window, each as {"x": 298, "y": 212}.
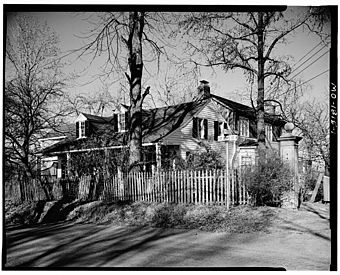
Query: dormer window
{"x": 122, "y": 122}
{"x": 244, "y": 127}
{"x": 121, "y": 119}
{"x": 82, "y": 126}
{"x": 82, "y": 129}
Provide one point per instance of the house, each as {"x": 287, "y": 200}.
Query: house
{"x": 170, "y": 133}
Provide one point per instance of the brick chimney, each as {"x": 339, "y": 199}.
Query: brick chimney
{"x": 203, "y": 89}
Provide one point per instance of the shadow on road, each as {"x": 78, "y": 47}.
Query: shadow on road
{"x": 89, "y": 245}
{"x": 61, "y": 245}
{"x": 309, "y": 208}
{"x": 306, "y": 223}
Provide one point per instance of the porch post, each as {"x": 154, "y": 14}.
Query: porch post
{"x": 289, "y": 154}
{"x": 38, "y": 159}
{"x": 68, "y": 164}
{"x": 158, "y": 156}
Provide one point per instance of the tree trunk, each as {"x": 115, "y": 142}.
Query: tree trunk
{"x": 136, "y": 25}
{"x": 260, "y": 86}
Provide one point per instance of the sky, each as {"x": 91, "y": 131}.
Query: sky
{"x": 227, "y": 84}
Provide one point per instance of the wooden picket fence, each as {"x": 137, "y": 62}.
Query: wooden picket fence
{"x": 33, "y": 191}
{"x": 187, "y": 187}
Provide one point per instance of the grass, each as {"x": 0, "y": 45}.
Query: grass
{"x": 240, "y": 219}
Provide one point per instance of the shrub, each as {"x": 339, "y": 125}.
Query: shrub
{"x": 267, "y": 181}
{"x": 207, "y": 159}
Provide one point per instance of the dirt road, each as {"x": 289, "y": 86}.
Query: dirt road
{"x": 298, "y": 240}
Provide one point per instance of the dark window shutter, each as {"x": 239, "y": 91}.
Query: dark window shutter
{"x": 194, "y": 127}
{"x": 127, "y": 116}
{"x": 216, "y": 130}
{"x": 77, "y": 129}
{"x": 205, "y": 123}
{"x": 252, "y": 129}
{"x": 87, "y": 128}
{"x": 115, "y": 122}
{"x": 235, "y": 123}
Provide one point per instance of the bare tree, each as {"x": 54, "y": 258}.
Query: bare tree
{"x": 313, "y": 121}
{"x": 247, "y": 41}
{"x": 100, "y": 103}
{"x": 33, "y": 90}
{"x": 122, "y": 36}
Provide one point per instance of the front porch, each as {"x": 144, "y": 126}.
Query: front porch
{"x": 113, "y": 159}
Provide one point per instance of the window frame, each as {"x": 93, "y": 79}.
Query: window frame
{"x": 82, "y": 129}
{"x": 121, "y": 120}
{"x": 200, "y": 128}
{"x": 244, "y": 127}
{"x": 268, "y": 128}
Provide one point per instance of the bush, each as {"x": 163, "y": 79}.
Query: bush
{"x": 267, "y": 181}
{"x": 206, "y": 160}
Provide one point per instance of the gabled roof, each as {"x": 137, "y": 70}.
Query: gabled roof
{"x": 241, "y": 108}
{"x": 160, "y": 122}
{"x": 157, "y": 123}
{"x": 248, "y": 111}
{"x": 67, "y": 130}
{"x": 98, "y": 119}
{"x": 99, "y": 125}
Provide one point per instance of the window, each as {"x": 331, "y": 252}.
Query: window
{"x": 219, "y": 129}
{"x": 268, "y": 132}
{"x": 200, "y": 128}
{"x": 121, "y": 122}
{"x": 81, "y": 128}
{"x": 244, "y": 127}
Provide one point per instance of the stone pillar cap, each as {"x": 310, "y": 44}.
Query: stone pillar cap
{"x": 231, "y": 138}
{"x": 289, "y": 136}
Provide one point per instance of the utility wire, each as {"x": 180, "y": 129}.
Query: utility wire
{"x": 308, "y": 59}
{"x": 310, "y": 64}
{"x": 269, "y": 88}
{"x": 308, "y": 80}
{"x": 306, "y": 54}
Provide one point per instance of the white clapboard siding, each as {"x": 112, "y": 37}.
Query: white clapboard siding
{"x": 183, "y": 135}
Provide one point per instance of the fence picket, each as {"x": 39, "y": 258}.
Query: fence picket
{"x": 213, "y": 179}
{"x": 207, "y": 187}
{"x": 137, "y": 186}
{"x": 190, "y": 187}
{"x": 204, "y": 184}
{"x": 186, "y": 185}
{"x": 199, "y": 177}
{"x": 196, "y": 187}
{"x": 166, "y": 193}
{"x": 165, "y": 183}
{"x": 179, "y": 187}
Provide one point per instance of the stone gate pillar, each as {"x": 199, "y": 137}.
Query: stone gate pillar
{"x": 289, "y": 154}
{"x": 231, "y": 150}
